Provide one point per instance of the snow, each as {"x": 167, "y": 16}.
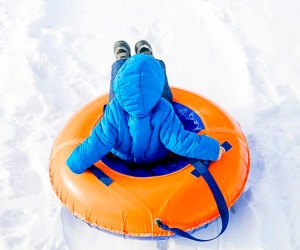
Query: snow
{"x": 56, "y": 56}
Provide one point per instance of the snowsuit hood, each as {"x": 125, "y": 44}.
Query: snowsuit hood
{"x": 139, "y": 85}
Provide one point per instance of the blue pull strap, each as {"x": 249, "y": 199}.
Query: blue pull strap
{"x": 101, "y": 176}
{"x": 201, "y": 169}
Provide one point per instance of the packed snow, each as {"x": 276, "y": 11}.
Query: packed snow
{"x": 55, "y": 56}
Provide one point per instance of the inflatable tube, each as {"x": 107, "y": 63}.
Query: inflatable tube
{"x": 130, "y": 203}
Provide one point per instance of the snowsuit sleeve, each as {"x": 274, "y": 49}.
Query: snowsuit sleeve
{"x": 100, "y": 142}
{"x": 183, "y": 142}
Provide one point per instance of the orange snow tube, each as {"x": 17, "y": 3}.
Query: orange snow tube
{"x": 129, "y": 204}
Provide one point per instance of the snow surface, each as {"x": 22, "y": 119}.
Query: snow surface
{"x": 56, "y": 56}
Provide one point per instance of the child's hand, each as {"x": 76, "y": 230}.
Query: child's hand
{"x": 221, "y": 152}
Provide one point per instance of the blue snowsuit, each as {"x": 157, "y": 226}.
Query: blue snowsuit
{"x": 139, "y": 125}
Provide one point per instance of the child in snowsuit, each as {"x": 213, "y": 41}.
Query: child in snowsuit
{"x": 139, "y": 123}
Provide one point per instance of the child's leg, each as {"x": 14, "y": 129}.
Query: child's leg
{"x": 114, "y": 70}
{"x": 122, "y": 52}
{"x": 167, "y": 93}
{"x": 144, "y": 47}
